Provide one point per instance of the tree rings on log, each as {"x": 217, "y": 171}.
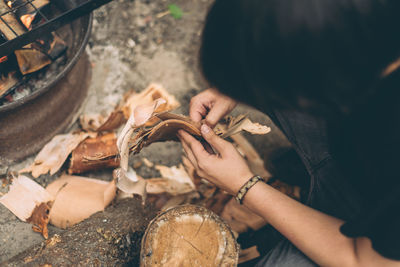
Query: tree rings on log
{"x": 188, "y": 235}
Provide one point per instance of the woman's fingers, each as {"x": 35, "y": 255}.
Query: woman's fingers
{"x": 188, "y": 152}
{"x": 214, "y": 140}
{"x": 195, "y": 146}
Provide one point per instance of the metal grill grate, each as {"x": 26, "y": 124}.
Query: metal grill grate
{"x": 18, "y": 35}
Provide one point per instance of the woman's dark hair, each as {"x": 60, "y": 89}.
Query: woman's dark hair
{"x": 324, "y": 56}
{"x": 329, "y": 53}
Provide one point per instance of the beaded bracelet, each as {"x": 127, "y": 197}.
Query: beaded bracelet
{"x": 245, "y": 188}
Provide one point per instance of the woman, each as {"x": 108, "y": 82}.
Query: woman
{"x": 326, "y": 72}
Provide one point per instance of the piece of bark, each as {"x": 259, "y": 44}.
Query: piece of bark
{"x": 77, "y": 198}
{"x": 40, "y": 218}
{"x": 191, "y": 171}
{"x": 176, "y": 173}
{"x": 129, "y": 184}
{"x": 94, "y": 154}
{"x": 101, "y": 123}
{"x": 150, "y": 94}
{"x": 217, "y": 201}
{"x": 131, "y": 100}
{"x": 188, "y": 236}
{"x": 109, "y": 238}
{"x": 55, "y": 153}
{"x": 234, "y": 125}
{"x": 148, "y": 163}
{"x": 240, "y": 218}
{"x": 166, "y": 185}
{"x": 169, "y": 124}
{"x": 29, "y": 202}
{"x": 127, "y": 180}
{"x": 255, "y": 162}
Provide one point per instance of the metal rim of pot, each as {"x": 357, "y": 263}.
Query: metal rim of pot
{"x": 56, "y": 78}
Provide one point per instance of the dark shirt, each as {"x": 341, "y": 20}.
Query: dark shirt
{"x": 354, "y": 166}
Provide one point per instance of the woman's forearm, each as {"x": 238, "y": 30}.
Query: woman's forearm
{"x": 316, "y": 234}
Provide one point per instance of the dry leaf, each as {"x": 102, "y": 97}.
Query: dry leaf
{"x": 77, "y": 198}
{"x": 166, "y": 185}
{"x": 53, "y": 154}
{"x": 94, "y": 154}
{"x": 30, "y": 202}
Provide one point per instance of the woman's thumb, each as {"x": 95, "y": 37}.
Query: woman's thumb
{"x": 214, "y": 140}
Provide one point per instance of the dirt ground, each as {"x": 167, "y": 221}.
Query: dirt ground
{"x": 131, "y": 46}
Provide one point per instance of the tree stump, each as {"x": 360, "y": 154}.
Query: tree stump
{"x": 188, "y": 236}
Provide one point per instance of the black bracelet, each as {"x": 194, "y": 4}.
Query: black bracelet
{"x": 245, "y": 188}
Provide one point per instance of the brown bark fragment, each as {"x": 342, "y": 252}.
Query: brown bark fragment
{"x": 40, "y": 218}
{"x": 94, "y": 154}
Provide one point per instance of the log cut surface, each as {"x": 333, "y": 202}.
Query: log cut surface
{"x": 188, "y": 236}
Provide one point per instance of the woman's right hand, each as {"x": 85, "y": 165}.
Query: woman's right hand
{"x": 210, "y": 105}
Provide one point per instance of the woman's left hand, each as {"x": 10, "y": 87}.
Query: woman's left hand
{"x": 227, "y": 169}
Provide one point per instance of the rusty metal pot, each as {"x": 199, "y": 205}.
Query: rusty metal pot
{"x": 27, "y": 124}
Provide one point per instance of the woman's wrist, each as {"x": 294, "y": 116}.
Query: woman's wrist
{"x": 242, "y": 192}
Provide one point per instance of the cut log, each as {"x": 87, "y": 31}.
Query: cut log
{"x": 188, "y": 236}
{"x": 109, "y": 238}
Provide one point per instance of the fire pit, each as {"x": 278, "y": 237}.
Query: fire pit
{"x": 28, "y": 123}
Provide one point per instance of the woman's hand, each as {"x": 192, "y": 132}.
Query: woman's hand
{"x": 211, "y": 105}
{"x": 227, "y": 169}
